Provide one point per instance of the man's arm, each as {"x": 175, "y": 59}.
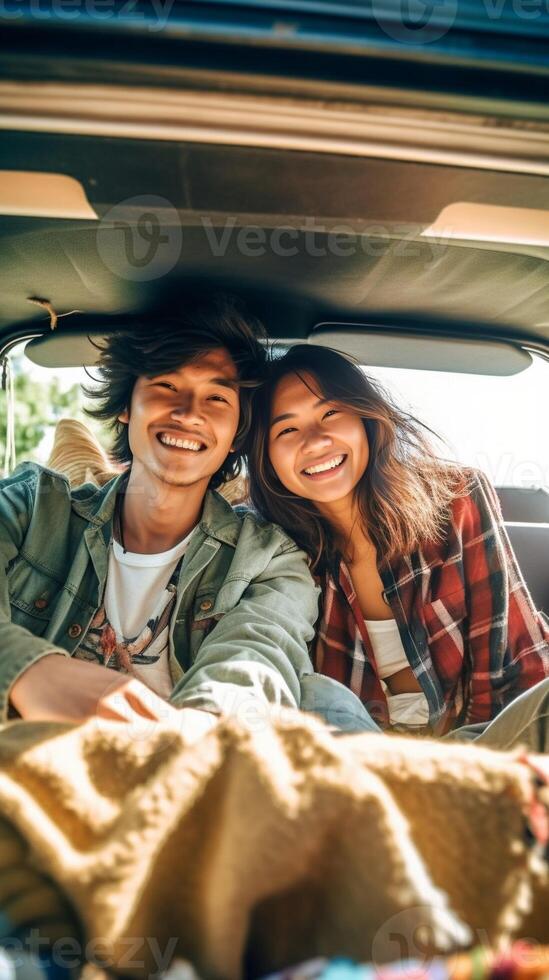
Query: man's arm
{"x": 257, "y": 654}
{"x": 40, "y": 680}
{"x": 19, "y": 648}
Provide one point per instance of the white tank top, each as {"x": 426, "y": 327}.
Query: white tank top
{"x": 407, "y": 710}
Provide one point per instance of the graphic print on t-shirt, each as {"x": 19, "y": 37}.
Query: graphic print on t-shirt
{"x": 101, "y": 645}
{"x": 130, "y": 631}
{"x": 144, "y": 654}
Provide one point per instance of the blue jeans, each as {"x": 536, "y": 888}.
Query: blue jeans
{"x": 523, "y": 722}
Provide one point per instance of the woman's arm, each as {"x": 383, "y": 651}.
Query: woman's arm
{"x": 507, "y": 640}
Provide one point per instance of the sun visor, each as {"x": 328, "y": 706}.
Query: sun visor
{"x": 421, "y": 352}
{"x": 491, "y": 223}
{"x": 64, "y": 350}
{"x": 34, "y": 194}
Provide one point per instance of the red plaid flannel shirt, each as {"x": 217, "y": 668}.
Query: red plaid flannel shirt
{"x": 467, "y": 622}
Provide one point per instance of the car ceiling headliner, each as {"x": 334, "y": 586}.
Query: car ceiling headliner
{"x": 388, "y": 273}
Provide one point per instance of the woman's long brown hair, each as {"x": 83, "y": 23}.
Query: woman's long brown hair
{"x": 405, "y": 494}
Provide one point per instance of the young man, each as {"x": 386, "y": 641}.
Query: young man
{"x": 154, "y": 574}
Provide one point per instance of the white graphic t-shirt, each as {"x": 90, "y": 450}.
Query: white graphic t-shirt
{"x": 129, "y": 632}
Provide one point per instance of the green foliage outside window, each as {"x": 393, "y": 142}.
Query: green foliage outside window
{"x": 38, "y": 406}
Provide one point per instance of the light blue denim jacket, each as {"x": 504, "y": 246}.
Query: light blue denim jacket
{"x": 245, "y": 611}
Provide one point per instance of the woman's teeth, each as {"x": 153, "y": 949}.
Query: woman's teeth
{"x": 167, "y": 440}
{"x": 330, "y": 464}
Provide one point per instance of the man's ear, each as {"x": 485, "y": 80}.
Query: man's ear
{"x": 124, "y": 416}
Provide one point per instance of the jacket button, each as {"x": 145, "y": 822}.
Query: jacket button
{"x": 75, "y": 630}
{"x": 206, "y": 604}
{"x": 40, "y": 603}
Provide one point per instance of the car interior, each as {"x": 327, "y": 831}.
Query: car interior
{"x": 361, "y": 181}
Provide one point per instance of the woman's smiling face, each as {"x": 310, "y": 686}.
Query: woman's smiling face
{"x": 318, "y": 449}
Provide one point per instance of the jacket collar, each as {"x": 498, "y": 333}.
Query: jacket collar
{"x": 96, "y": 504}
{"x": 218, "y": 519}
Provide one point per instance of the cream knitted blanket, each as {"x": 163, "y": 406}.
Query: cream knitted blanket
{"x": 247, "y": 851}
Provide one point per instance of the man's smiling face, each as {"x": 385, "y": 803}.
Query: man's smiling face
{"x": 182, "y": 423}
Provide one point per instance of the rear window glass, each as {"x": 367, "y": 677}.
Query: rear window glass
{"x": 494, "y": 423}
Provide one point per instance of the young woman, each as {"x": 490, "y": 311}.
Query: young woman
{"x": 425, "y": 615}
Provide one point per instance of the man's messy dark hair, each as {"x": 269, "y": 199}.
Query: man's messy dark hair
{"x": 152, "y": 348}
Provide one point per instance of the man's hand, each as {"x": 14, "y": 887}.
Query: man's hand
{"x": 58, "y": 688}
